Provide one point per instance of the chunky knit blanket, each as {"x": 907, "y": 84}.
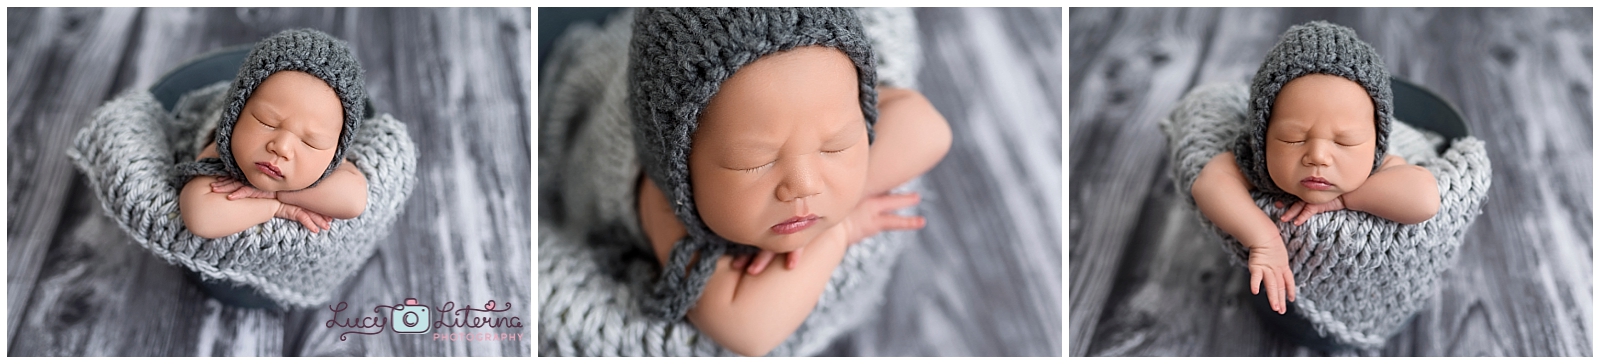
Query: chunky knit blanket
{"x": 595, "y": 268}
{"x": 129, "y": 150}
{"x": 1360, "y": 277}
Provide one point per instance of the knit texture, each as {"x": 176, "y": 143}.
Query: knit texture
{"x": 1359, "y": 276}
{"x": 597, "y": 271}
{"x": 305, "y": 50}
{"x": 1316, "y": 47}
{"x": 677, "y": 61}
{"x": 128, "y": 151}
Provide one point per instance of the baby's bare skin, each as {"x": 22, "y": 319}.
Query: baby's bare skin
{"x": 785, "y": 137}
{"x": 283, "y": 141}
{"x": 1321, "y": 139}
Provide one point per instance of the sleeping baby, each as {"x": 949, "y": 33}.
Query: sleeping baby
{"x": 279, "y": 145}
{"x": 1318, "y": 130}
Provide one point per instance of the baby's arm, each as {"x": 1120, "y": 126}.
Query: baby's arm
{"x": 747, "y": 314}
{"x": 1405, "y": 193}
{"x": 911, "y": 138}
{"x": 341, "y": 195}
{"x": 211, "y": 208}
{"x": 211, "y": 215}
{"x": 1223, "y": 195}
{"x": 752, "y": 314}
{"x": 1400, "y": 192}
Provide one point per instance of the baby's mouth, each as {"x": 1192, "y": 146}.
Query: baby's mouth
{"x": 269, "y": 169}
{"x": 794, "y": 224}
{"x": 1316, "y": 183}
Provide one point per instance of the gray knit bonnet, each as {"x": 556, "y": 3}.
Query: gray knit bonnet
{"x": 305, "y": 50}
{"x": 1314, "y": 47}
{"x": 678, "y": 59}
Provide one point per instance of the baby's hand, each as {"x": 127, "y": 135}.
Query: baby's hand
{"x": 1302, "y": 211}
{"x": 310, "y": 219}
{"x": 755, "y": 265}
{"x": 1270, "y": 264}
{"x": 237, "y": 190}
{"x": 876, "y": 214}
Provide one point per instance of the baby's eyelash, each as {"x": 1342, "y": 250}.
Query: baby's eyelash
{"x": 753, "y": 169}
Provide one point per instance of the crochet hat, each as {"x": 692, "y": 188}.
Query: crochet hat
{"x": 305, "y": 50}
{"x": 1314, "y": 47}
{"x": 679, "y": 57}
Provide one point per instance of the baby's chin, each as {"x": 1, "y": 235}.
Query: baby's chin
{"x": 1317, "y": 197}
{"x": 266, "y": 184}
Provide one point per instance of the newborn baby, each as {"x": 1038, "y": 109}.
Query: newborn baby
{"x": 764, "y": 130}
{"x": 279, "y": 146}
{"x": 1320, "y": 112}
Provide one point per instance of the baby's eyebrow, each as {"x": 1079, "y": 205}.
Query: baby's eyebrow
{"x": 321, "y": 135}
{"x": 267, "y": 111}
{"x": 843, "y": 129}
{"x": 745, "y": 145}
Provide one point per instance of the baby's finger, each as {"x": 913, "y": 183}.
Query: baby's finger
{"x": 1304, "y": 216}
{"x": 1278, "y": 295}
{"x": 1275, "y": 292}
{"x": 896, "y": 202}
{"x": 794, "y": 258}
{"x": 1293, "y": 211}
{"x": 759, "y": 263}
{"x": 310, "y": 225}
{"x": 1289, "y": 277}
{"x": 738, "y": 263}
{"x": 897, "y": 222}
{"x": 1255, "y": 280}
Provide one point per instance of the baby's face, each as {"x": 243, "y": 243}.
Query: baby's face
{"x": 781, "y": 151}
{"x": 1321, "y": 137}
{"x": 287, "y": 132}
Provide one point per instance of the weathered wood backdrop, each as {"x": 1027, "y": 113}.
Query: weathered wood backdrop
{"x": 984, "y": 277}
{"x": 1144, "y": 283}
{"x": 458, "y": 78}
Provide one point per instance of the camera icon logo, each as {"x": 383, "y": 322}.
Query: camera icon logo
{"x": 410, "y": 318}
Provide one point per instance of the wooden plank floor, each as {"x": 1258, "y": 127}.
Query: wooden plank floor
{"x": 1142, "y": 280}
{"x": 78, "y": 286}
{"x": 984, "y": 277}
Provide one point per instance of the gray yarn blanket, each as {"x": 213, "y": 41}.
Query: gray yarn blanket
{"x": 595, "y": 267}
{"x": 1360, "y": 277}
{"x": 129, "y": 150}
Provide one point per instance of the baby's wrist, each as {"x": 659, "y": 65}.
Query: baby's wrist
{"x": 1349, "y": 203}
{"x": 1262, "y": 240}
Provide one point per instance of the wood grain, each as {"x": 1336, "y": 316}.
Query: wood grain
{"x": 983, "y": 278}
{"x": 1145, "y": 283}
{"x": 459, "y": 79}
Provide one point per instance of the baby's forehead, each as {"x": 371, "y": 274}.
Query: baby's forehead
{"x": 297, "y": 97}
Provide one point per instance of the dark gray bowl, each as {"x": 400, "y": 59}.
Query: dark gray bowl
{"x": 1424, "y": 109}
{"x": 205, "y": 70}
